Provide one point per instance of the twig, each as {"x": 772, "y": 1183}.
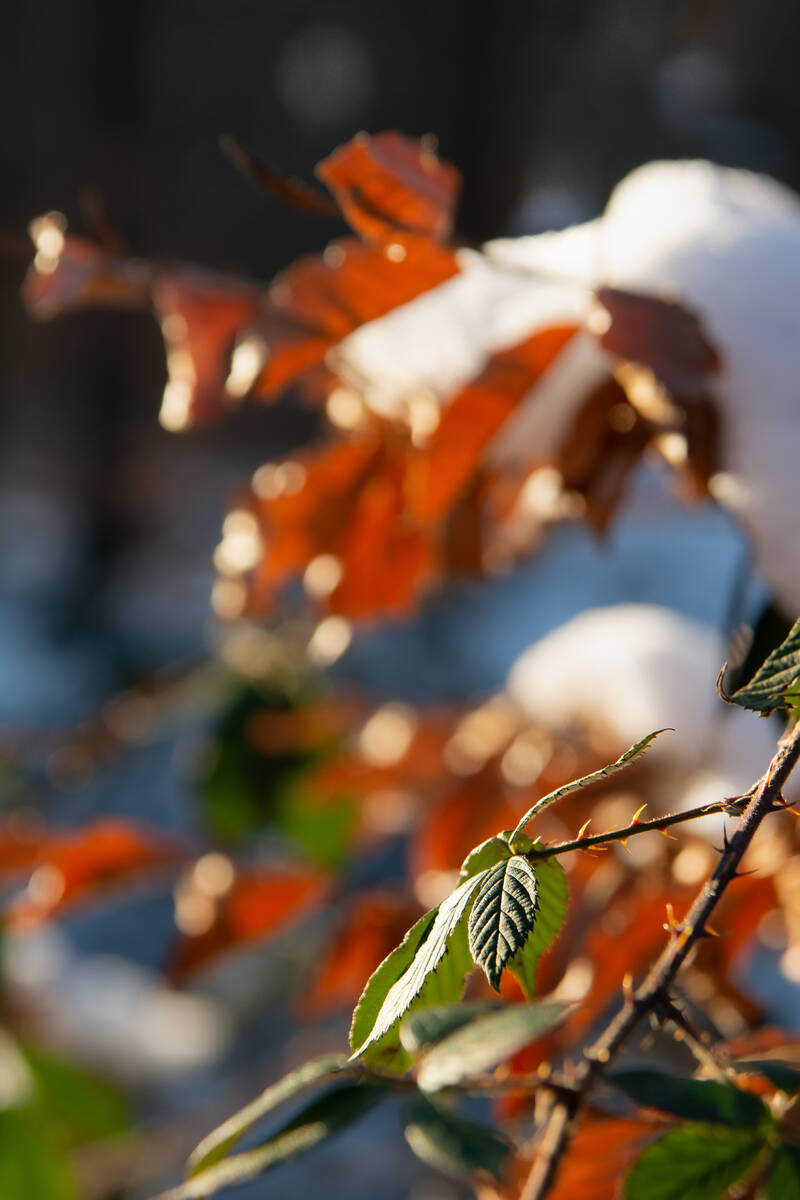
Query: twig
{"x": 654, "y": 991}
{"x": 292, "y": 191}
{"x": 636, "y": 826}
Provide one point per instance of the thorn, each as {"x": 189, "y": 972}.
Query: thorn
{"x": 544, "y": 1070}
{"x": 725, "y": 843}
{"x": 744, "y": 874}
{"x": 671, "y": 924}
{"x": 707, "y": 932}
{"x": 624, "y": 843}
{"x": 627, "y": 987}
{"x": 635, "y": 818}
{"x": 666, "y": 833}
{"x": 583, "y": 829}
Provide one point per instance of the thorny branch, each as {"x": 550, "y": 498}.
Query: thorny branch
{"x": 622, "y": 834}
{"x": 566, "y": 1096}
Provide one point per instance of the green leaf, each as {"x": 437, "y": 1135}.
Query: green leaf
{"x": 785, "y": 1076}
{"x": 695, "y": 1099}
{"x": 430, "y": 1025}
{"x": 551, "y": 883}
{"x": 485, "y": 1043}
{"x": 318, "y": 1121}
{"x": 515, "y": 840}
{"x": 692, "y": 1163}
{"x": 31, "y": 1166}
{"x": 492, "y": 851}
{"x": 440, "y": 961}
{"x": 783, "y": 1181}
{"x": 452, "y": 1145}
{"x": 77, "y": 1105}
{"x": 217, "y": 1143}
{"x": 244, "y": 788}
{"x": 503, "y": 915}
{"x": 384, "y": 977}
{"x": 776, "y": 683}
{"x": 324, "y": 831}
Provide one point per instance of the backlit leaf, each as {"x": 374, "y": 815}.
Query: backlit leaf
{"x": 390, "y": 185}
{"x": 439, "y": 471}
{"x": 200, "y": 315}
{"x": 317, "y": 301}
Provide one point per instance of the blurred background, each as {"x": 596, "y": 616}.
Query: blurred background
{"x": 107, "y": 522}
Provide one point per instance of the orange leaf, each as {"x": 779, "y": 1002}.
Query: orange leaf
{"x": 322, "y": 298}
{"x": 599, "y": 1156}
{"x": 376, "y": 923}
{"x": 385, "y": 559}
{"x": 390, "y": 185}
{"x": 200, "y": 315}
{"x": 71, "y": 272}
{"x": 259, "y": 903}
{"x": 70, "y": 867}
{"x": 20, "y": 846}
{"x": 469, "y": 813}
{"x": 439, "y": 472}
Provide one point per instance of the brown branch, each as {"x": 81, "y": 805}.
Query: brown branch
{"x": 294, "y": 192}
{"x": 566, "y": 1099}
{"x": 622, "y": 834}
